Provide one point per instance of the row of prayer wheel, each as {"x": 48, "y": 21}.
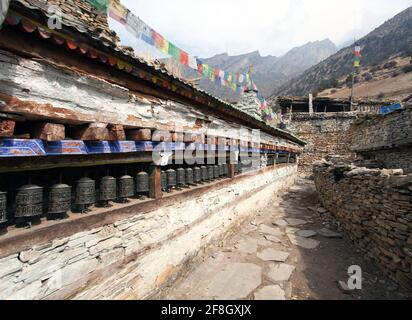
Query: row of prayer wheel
{"x": 172, "y": 179}
{"x": 29, "y": 200}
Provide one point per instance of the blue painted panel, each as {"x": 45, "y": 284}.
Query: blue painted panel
{"x": 21, "y": 148}
{"x": 100, "y": 147}
{"x": 124, "y": 146}
{"x": 65, "y": 147}
{"x": 391, "y": 108}
{"x": 145, "y": 146}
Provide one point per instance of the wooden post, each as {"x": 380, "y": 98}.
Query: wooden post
{"x": 232, "y": 171}
{"x": 155, "y": 182}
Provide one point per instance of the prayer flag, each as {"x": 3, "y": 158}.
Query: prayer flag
{"x": 158, "y": 40}
{"x": 174, "y": 51}
{"x": 184, "y": 57}
{"x": 101, "y": 5}
{"x": 118, "y": 12}
{"x": 134, "y": 25}
{"x": 192, "y": 62}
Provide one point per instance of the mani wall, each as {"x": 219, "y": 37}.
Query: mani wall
{"x": 134, "y": 251}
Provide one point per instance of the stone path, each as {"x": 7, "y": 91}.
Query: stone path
{"x": 288, "y": 251}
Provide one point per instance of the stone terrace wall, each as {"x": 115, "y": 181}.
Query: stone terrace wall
{"x": 379, "y": 132}
{"x": 375, "y": 209}
{"x": 135, "y": 257}
{"x": 325, "y": 133}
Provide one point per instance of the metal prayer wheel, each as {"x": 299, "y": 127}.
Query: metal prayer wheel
{"x": 237, "y": 168}
{"x": 29, "y": 201}
{"x": 210, "y": 173}
{"x": 3, "y": 207}
{"x": 197, "y": 172}
{"x": 171, "y": 178}
{"x": 85, "y": 195}
{"x": 225, "y": 169}
{"x": 163, "y": 181}
{"x": 216, "y": 172}
{"x": 204, "y": 173}
{"x": 60, "y": 196}
{"x": 125, "y": 188}
{"x": 189, "y": 176}
{"x": 142, "y": 183}
{"x": 181, "y": 177}
{"x": 221, "y": 170}
{"x": 107, "y": 190}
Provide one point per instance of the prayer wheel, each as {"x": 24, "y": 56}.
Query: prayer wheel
{"x": 107, "y": 190}
{"x": 125, "y": 188}
{"x": 216, "y": 172}
{"x": 3, "y": 207}
{"x": 204, "y": 173}
{"x": 142, "y": 184}
{"x": 60, "y": 197}
{"x": 171, "y": 178}
{"x": 181, "y": 177}
{"x": 189, "y": 176}
{"x": 163, "y": 181}
{"x": 85, "y": 195}
{"x": 197, "y": 172}
{"x": 29, "y": 201}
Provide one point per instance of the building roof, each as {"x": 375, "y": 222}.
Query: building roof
{"x": 82, "y": 21}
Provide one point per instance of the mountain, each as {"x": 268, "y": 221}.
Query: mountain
{"x": 393, "y": 38}
{"x": 268, "y": 71}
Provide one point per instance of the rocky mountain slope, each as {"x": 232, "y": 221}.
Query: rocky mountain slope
{"x": 268, "y": 71}
{"x": 390, "y": 40}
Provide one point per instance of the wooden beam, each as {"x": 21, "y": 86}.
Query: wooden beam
{"x": 49, "y": 131}
{"x": 22, "y": 164}
{"x": 92, "y": 132}
{"x": 155, "y": 182}
{"x": 7, "y": 128}
{"x": 139, "y": 135}
{"x": 116, "y": 132}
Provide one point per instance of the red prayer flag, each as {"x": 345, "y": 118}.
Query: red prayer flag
{"x": 184, "y": 58}
{"x": 200, "y": 68}
{"x": 158, "y": 39}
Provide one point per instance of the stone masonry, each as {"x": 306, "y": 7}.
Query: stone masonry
{"x": 374, "y": 207}
{"x": 385, "y": 139}
{"x": 325, "y": 133}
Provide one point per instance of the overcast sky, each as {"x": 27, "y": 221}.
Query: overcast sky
{"x": 208, "y": 27}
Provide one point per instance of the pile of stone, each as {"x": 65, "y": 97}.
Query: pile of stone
{"x": 374, "y": 207}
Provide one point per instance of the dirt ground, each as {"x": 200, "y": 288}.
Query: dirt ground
{"x": 261, "y": 262}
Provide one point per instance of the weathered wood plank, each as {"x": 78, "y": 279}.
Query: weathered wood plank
{"x": 155, "y": 182}
{"x": 49, "y": 132}
{"x": 70, "y": 161}
{"x": 139, "y": 135}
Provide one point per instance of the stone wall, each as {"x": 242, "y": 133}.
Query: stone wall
{"x": 135, "y": 257}
{"x": 325, "y": 133}
{"x": 385, "y": 139}
{"x": 374, "y": 207}
{"x": 377, "y": 132}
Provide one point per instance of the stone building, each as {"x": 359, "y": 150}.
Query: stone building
{"x": 323, "y": 123}
{"x": 372, "y": 199}
{"x": 75, "y": 105}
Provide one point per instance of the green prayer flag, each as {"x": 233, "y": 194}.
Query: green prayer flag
{"x": 174, "y": 51}
{"x": 101, "y": 5}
